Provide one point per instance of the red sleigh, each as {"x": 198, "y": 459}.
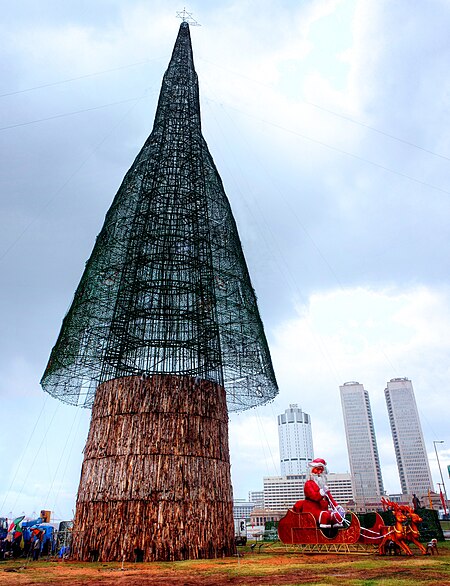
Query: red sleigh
{"x": 302, "y": 529}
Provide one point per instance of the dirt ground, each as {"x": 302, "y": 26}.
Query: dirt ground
{"x": 253, "y": 569}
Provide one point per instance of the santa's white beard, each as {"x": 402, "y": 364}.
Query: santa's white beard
{"x": 319, "y": 479}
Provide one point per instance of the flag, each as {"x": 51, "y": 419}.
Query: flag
{"x": 444, "y": 506}
{"x": 15, "y": 525}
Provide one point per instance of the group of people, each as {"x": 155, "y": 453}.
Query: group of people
{"x": 27, "y": 543}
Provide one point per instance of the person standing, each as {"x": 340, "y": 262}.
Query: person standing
{"x": 36, "y": 548}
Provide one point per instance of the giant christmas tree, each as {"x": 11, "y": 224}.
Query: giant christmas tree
{"x": 163, "y": 337}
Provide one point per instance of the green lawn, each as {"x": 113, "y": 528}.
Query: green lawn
{"x": 274, "y": 565}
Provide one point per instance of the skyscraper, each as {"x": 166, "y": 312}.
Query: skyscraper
{"x": 361, "y": 444}
{"x": 409, "y": 445}
{"x": 295, "y": 438}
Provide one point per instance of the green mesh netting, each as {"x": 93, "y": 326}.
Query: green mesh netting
{"x": 166, "y": 288}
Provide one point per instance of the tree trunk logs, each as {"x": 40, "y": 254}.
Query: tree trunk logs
{"x": 155, "y": 483}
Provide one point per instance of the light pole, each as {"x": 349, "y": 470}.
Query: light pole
{"x": 440, "y": 471}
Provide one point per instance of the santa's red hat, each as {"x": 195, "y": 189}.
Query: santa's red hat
{"x": 318, "y": 463}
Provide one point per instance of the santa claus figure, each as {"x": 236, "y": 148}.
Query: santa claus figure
{"x": 318, "y": 499}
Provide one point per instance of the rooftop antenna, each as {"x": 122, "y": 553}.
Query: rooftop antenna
{"x": 187, "y": 17}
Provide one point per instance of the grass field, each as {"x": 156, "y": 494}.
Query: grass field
{"x": 275, "y": 566}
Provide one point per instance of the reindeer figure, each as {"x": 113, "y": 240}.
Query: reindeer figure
{"x": 395, "y": 533}
{"x": 412, "y": 531}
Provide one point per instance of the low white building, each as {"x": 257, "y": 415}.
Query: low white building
{"x": 242, "y": 509}
{"x": 257, "y": 497}
{"x": 340, "y": 486}
{"x": 282, "y": 492}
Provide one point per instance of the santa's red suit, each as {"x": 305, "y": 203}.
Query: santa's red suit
{"x": 318, "y": 498}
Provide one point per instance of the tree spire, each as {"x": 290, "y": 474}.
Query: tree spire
{"x": 166, "y": 289}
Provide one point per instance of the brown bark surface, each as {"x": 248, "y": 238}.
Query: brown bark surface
{"x": 155, "y": 480}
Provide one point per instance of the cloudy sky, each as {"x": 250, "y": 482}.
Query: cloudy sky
{"x": 328, "y": 121}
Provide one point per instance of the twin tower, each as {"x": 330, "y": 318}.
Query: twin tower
{"x": 163, "y": 339}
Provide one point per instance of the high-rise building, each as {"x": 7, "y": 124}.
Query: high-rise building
{"x": 362, "y": 445}
{"x": 295, "y": 437}
{"x": 409, "y": 445}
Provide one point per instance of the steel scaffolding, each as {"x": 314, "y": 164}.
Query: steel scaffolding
{"x": 166, "y": 289}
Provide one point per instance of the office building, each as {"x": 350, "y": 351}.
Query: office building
{"x": 281, "y": 492}
{"x": 257, "y": 497}
{"x": 409, "y": 445}
{"x": 242, "y": 508}
{"x": 362, "y": 446}
{"x": 296, "y": 445}
{"x": 340, "y": 486}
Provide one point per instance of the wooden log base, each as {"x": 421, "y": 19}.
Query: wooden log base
{"x": 155, "y": 483}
